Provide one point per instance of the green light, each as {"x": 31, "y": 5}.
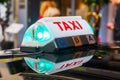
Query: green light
{"x": 39, "y": 65}
{"x": 28, "y": 36}
{"x": 90, "y": 27}
{"x": 37, "y": 32}
{"x": 30, "y": 62}
{"x": 42, "y": 34}
{"x": 44, "y": 65}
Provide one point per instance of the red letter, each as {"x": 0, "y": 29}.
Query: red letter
{"x": 62, "y": 66}
{"x": 58, "y": 23}
{"x": 66, "y": 26}
{"x": 79, "y": 25}
{"x": 69, "y": 64}
{"x": 74, "y": 26}
{"x": 77, "y": 63}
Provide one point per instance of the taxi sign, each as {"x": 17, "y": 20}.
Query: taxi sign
{"x": 67, "y": 26}
{"x": 53, "y": 33}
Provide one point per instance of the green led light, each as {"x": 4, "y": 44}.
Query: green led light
{"x": 30, "y": 62}
{"x": 28, "y": 36}
{"x": 90, "y": 27}
{"x": 37, "y": 32}
{"x": 39, "y": 65}
{"x": 42, "y": 34}
{"x": 44, "y": 65}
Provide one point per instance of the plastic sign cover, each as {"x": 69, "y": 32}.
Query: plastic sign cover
{"x": 46, "y": 30}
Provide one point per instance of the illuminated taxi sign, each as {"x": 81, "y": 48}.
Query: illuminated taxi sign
{"x": 67, "y": 26}
{"x": 49, "y": 34}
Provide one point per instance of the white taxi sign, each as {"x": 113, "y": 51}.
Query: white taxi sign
{"x": 47, "y": 31}
{"x": 67, "y": 26}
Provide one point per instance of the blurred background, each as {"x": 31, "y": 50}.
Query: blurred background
{"x": 17, "y": 15}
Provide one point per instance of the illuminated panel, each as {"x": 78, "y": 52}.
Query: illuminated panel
{"x": 77, "y": 41}
{"x": 62, "y": 43}
{"x": 91, "y": 39}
